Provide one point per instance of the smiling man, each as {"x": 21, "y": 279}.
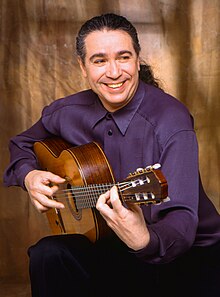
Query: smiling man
{"x": 171, "y": 249}
{"x": 112, "y": 67}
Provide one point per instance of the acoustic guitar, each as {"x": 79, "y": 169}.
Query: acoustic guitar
{"x": 88, "y": 174}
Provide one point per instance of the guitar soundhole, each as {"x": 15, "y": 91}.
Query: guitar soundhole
{"x": 71, "y": 202}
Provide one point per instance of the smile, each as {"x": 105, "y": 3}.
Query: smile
{"x": 114, "y": 86}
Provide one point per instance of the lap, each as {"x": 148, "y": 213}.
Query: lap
{"x": 112, "y": 267}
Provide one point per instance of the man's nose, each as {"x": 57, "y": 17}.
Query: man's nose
{"x": 113, "y": 70}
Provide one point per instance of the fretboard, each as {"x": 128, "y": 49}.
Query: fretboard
{"x": 87, "y": 196}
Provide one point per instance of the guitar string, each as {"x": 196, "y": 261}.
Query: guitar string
{"x": 87, "y": 198}
{"x": 101, "y": 185}
{"x": 120, "y": 186}
{"x": 95, "y": 189}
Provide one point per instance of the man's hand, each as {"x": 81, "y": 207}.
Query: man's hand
{"x": 127, "y": 223}
{"x": 38, "y": 184}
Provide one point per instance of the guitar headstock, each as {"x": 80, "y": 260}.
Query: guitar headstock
{"x": 145, "y": 186}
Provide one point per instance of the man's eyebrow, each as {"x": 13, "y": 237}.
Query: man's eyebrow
{"x": 125, "y": 52}
{"x": 97, "y": 55}
{"x": 102, "y": 55}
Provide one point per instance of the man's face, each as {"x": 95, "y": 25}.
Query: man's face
{"x": 111, "y": 67}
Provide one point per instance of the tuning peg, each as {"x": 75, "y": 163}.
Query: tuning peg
{"x": 139, "y": 169}
{"x": 156, "y": 166}
{"x": 149, "y": 167}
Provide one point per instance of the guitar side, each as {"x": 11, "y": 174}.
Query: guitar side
{"x": 80, "y": 165}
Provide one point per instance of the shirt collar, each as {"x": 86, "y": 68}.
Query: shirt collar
{"x": 123, "y": 116}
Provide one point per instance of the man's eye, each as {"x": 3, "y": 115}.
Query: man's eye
{"x": 99, "y": 61}
{"x": 124, "y": 58}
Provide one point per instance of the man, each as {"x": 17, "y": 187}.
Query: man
{"x": 168, "y": 249}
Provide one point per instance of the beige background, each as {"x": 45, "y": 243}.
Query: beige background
{"x": 180, "y": 39}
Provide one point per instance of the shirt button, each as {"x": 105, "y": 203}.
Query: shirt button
{"x": 108, "y": 116}
{"x": 110, "y": 132}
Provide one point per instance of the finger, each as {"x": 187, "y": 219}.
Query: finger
{"x": 102, "y": 203}
{"x": 44, "y": 187}
{"x": 102, "y": 199}
{"x": 49, "y": 177}
{"x": 46, "y": 202}
{"x": 47, "y": 190}
{"x": 39, "y": 206}
{"x": 115, "y": 200}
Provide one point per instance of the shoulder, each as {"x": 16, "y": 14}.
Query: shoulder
{"x": 83, "y": 98}
{"x": 165, "y": 113}
{"x": 161, "y": 103}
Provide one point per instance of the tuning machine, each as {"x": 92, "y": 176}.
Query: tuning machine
{"x": 141, "y": 170}
{"x": 155, "y": 166}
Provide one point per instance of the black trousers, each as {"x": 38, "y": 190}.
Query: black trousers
{"x": 71, "y": 266}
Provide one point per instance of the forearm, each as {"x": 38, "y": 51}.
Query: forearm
{"x": 170, "y": 237}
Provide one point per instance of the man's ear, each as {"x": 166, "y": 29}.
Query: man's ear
{"x": 82, "y": 67}
{"x": 139, "y": 64}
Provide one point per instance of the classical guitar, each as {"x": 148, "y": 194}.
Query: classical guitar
{"x": 88, "y": 174}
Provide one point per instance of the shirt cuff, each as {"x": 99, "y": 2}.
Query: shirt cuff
{"x": 22, "y": 172}
{"x": 151, "y": 249}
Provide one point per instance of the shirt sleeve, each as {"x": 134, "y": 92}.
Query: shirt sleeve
{"x": 173, "y": 224}
{"x": 22, "y": 157}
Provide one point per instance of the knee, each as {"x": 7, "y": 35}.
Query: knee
{"x": 46, "y": 247}
{"x": 56, "y": 246}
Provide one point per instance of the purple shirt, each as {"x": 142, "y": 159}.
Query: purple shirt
{"x": 153, "y": 128}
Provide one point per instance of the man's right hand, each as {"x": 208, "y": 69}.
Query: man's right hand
{"x": 41, "y": 185}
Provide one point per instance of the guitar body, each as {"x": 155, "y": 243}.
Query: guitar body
{"x": 80, "y": 165}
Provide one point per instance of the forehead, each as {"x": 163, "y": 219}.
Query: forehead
{"x": 108, "y": 42}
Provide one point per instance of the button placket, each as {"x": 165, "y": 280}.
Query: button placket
{"x": 109, "y": 119}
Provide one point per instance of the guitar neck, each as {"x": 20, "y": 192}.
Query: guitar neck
{"x": 134, "y": 189}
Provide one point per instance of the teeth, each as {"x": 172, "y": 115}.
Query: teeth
{"x": 113, "y": 86}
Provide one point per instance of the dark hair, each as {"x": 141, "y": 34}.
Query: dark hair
{"x": 111, "y": 21}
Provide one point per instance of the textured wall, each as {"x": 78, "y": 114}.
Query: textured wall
{"x": 180, "y": 39}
